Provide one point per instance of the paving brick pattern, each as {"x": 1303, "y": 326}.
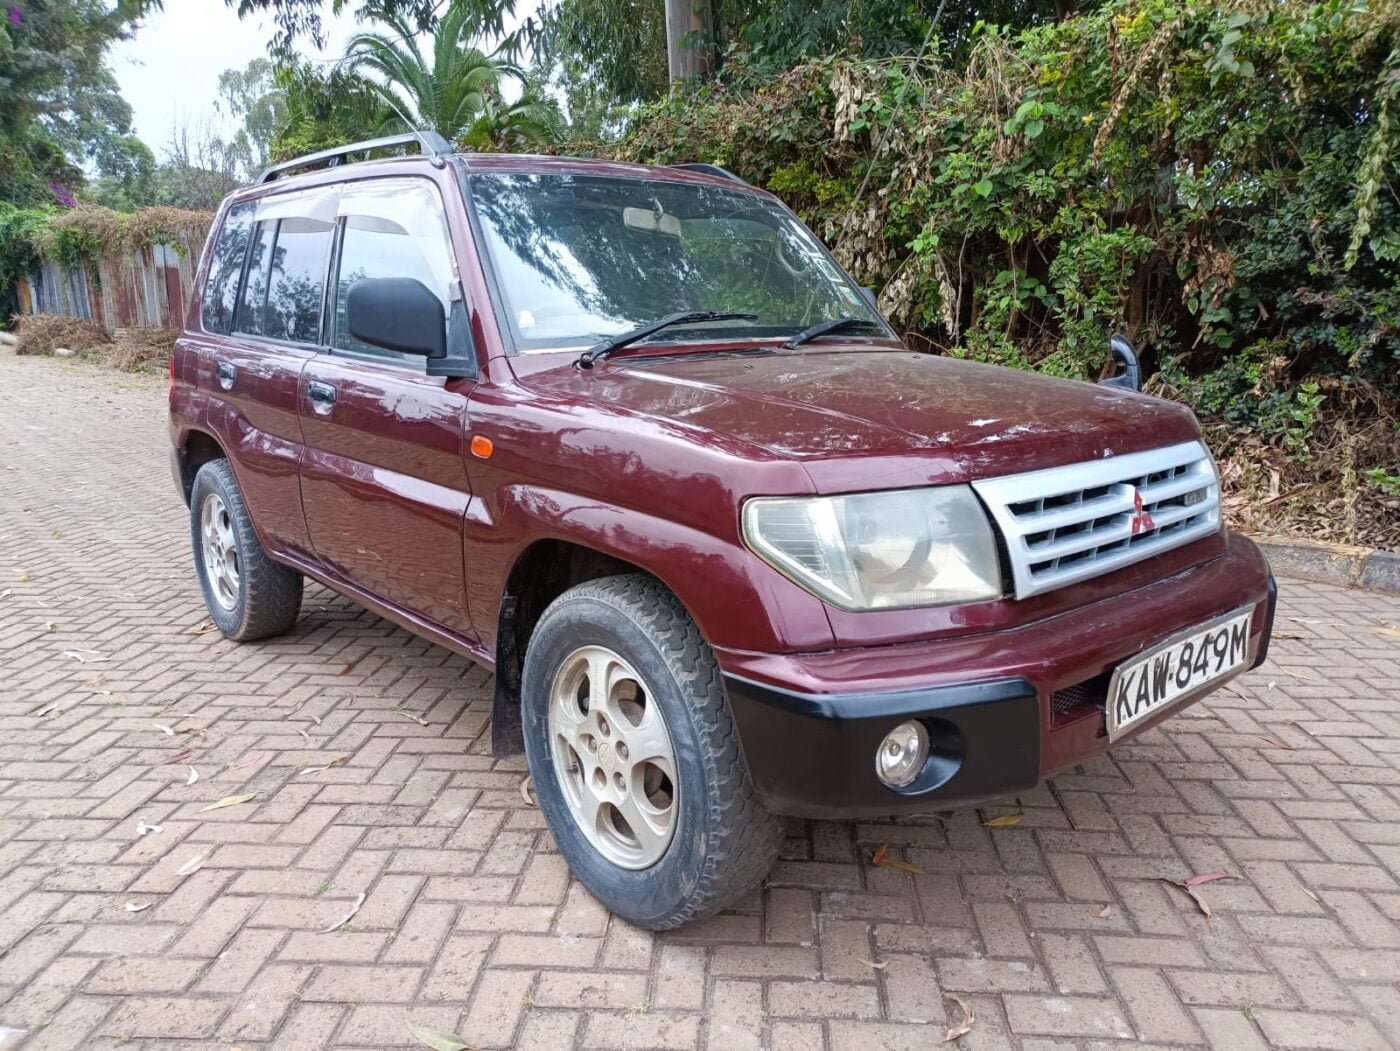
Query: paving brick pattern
{"x": 1059, "y": 932}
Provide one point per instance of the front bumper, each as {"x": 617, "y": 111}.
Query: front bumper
{"x": 1003, "y": 709}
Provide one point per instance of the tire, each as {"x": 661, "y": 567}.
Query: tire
{"x": 722, "y": 840}
{"x": 267, "y": 595}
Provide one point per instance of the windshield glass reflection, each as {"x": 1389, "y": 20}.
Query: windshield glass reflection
{"x": 579, "y": 258}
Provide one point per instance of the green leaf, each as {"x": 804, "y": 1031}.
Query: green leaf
{"x": 1034, "y": 128}
{"x": 983, "y": 188}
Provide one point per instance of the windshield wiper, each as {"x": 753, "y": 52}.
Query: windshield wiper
{"x": 607, "y": 346}
{"x": 821, "y": 328}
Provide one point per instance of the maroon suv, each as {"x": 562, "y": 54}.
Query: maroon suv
{"x": 631, "y": 438}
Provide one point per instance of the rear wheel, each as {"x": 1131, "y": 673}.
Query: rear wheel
{"x": 248, "y": 595}
{"x": 635, "y": 757}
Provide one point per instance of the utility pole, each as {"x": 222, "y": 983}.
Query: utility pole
{"x": 687, "y": 43}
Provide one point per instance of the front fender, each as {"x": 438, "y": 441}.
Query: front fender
{"x": 736, "y": 599}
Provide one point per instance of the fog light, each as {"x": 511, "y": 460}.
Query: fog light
{"x": 902, "y": 754}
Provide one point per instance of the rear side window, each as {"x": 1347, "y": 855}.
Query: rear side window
{"x": 225, "y": 267}
{"x": 286, "y": 280}
{"x": 249, "y": 319}
{"x": 297, "y": 280}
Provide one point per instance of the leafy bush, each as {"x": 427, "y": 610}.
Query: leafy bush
{"x": 1217, "y": 182}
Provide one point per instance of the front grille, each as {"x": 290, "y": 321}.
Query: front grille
{"x": 1067, "y": 524}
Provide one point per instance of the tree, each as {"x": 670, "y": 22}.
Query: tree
{"x": 325, "y": 107}
{"x": 252, "y": 96}
{"x": 458, "y": 92}
{"x": 62, "y": 107}
{"x": 200, "y": 167}
{"x": 126, "y": 179}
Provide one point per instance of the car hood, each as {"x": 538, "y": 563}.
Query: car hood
{"x": 825, "y": 404}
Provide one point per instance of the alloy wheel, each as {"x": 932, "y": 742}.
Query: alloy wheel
{"x": 613, "y": 757}
{"x": 220, "y": 550}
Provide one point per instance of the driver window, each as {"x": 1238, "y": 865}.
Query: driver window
{"x": 392, "y": 228}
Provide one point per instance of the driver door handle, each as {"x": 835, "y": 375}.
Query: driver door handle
{"x": 321, "y": 393}
{"x": 226, "y": 373}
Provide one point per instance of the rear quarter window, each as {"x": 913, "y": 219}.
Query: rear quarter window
{"x": 225, "y": 268}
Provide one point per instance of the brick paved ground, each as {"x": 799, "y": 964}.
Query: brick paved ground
{"x": 1058, "y": 932}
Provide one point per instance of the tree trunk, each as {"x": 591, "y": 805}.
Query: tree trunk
{"x": 687, "y": 45}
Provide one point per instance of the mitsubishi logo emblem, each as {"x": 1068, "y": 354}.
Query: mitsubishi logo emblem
{"x": 1141, "y": 520}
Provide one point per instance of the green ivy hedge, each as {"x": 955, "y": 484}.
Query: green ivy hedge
{"x": 1217, "y": 181}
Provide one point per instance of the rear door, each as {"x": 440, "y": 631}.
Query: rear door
{"x": 383, "y": 480}
{"x": 262, "y": 317}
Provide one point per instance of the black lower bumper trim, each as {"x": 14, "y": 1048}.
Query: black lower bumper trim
{"x": 813, "y": 755}
{"x": 1262, "y": 653}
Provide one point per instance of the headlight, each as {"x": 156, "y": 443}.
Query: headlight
{"x": 885, "y": 550}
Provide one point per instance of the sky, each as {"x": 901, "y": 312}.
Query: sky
{"x": 169, "y": 71}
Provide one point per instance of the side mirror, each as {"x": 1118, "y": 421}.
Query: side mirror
{"x": 868, "y": 294}
{"x": 397, "y": 313}
{"x": 1131, "y": 376}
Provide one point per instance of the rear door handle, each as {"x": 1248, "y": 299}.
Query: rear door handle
{"x": 321, "y": 393}
{"x": 226, "y": 375}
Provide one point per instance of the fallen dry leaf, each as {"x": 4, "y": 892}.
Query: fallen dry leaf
{"x": 348, "y": 916}
{"x": 1392, "y": 632}
{"x": 164, "y": 729}
{"x": 77, "y": 655}
{"x": 339, "y": 760}
{"x": 1005, "y": 821}
{"x": 527, "y": 791}
{"x": 962, "y": 1028}
{"x": 228, "y": 801}
{"x": 1196, "y": 881}
{"x": 437, "y": 1039}
{"x": 132, "y": 906}
{"x": 44, "y": 711}
{"x": 414, "y": 716}
{"x": 195, "y": 863}
{"x": 204, "y": 627}
{"x": 178, "y": 757}
{"x": 306, "y": 736}
{"x": 194, "y": 776}
{"x": 1200, "y": 901}
{"x": 1106, "y": 912}
{"x": 882, "y": 858}
{"x": 25, "y": 578}
{"x": 1279, "y": 744}
{"x": 142, "y": 828}
{"x": 249, "y": 761}
{"x": 878, "y": 966}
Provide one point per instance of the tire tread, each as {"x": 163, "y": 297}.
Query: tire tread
{"x": 747, "y": 836}
{"x": 271, "y": 599}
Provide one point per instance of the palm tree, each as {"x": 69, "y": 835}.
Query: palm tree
{"x": 458, "y": 93}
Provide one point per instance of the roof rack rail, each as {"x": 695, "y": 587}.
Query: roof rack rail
{"x": 711, "y": 169}
{"x": 429, "y": 143}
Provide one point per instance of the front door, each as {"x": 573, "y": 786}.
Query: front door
{"x": 383, "y": 480}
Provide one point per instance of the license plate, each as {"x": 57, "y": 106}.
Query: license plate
{"x": 1153, "y": 682}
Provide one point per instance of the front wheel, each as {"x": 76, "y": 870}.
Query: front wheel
{"x": 635, "y": 757}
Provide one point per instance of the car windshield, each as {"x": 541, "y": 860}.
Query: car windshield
{"x": 578, "y": 258}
